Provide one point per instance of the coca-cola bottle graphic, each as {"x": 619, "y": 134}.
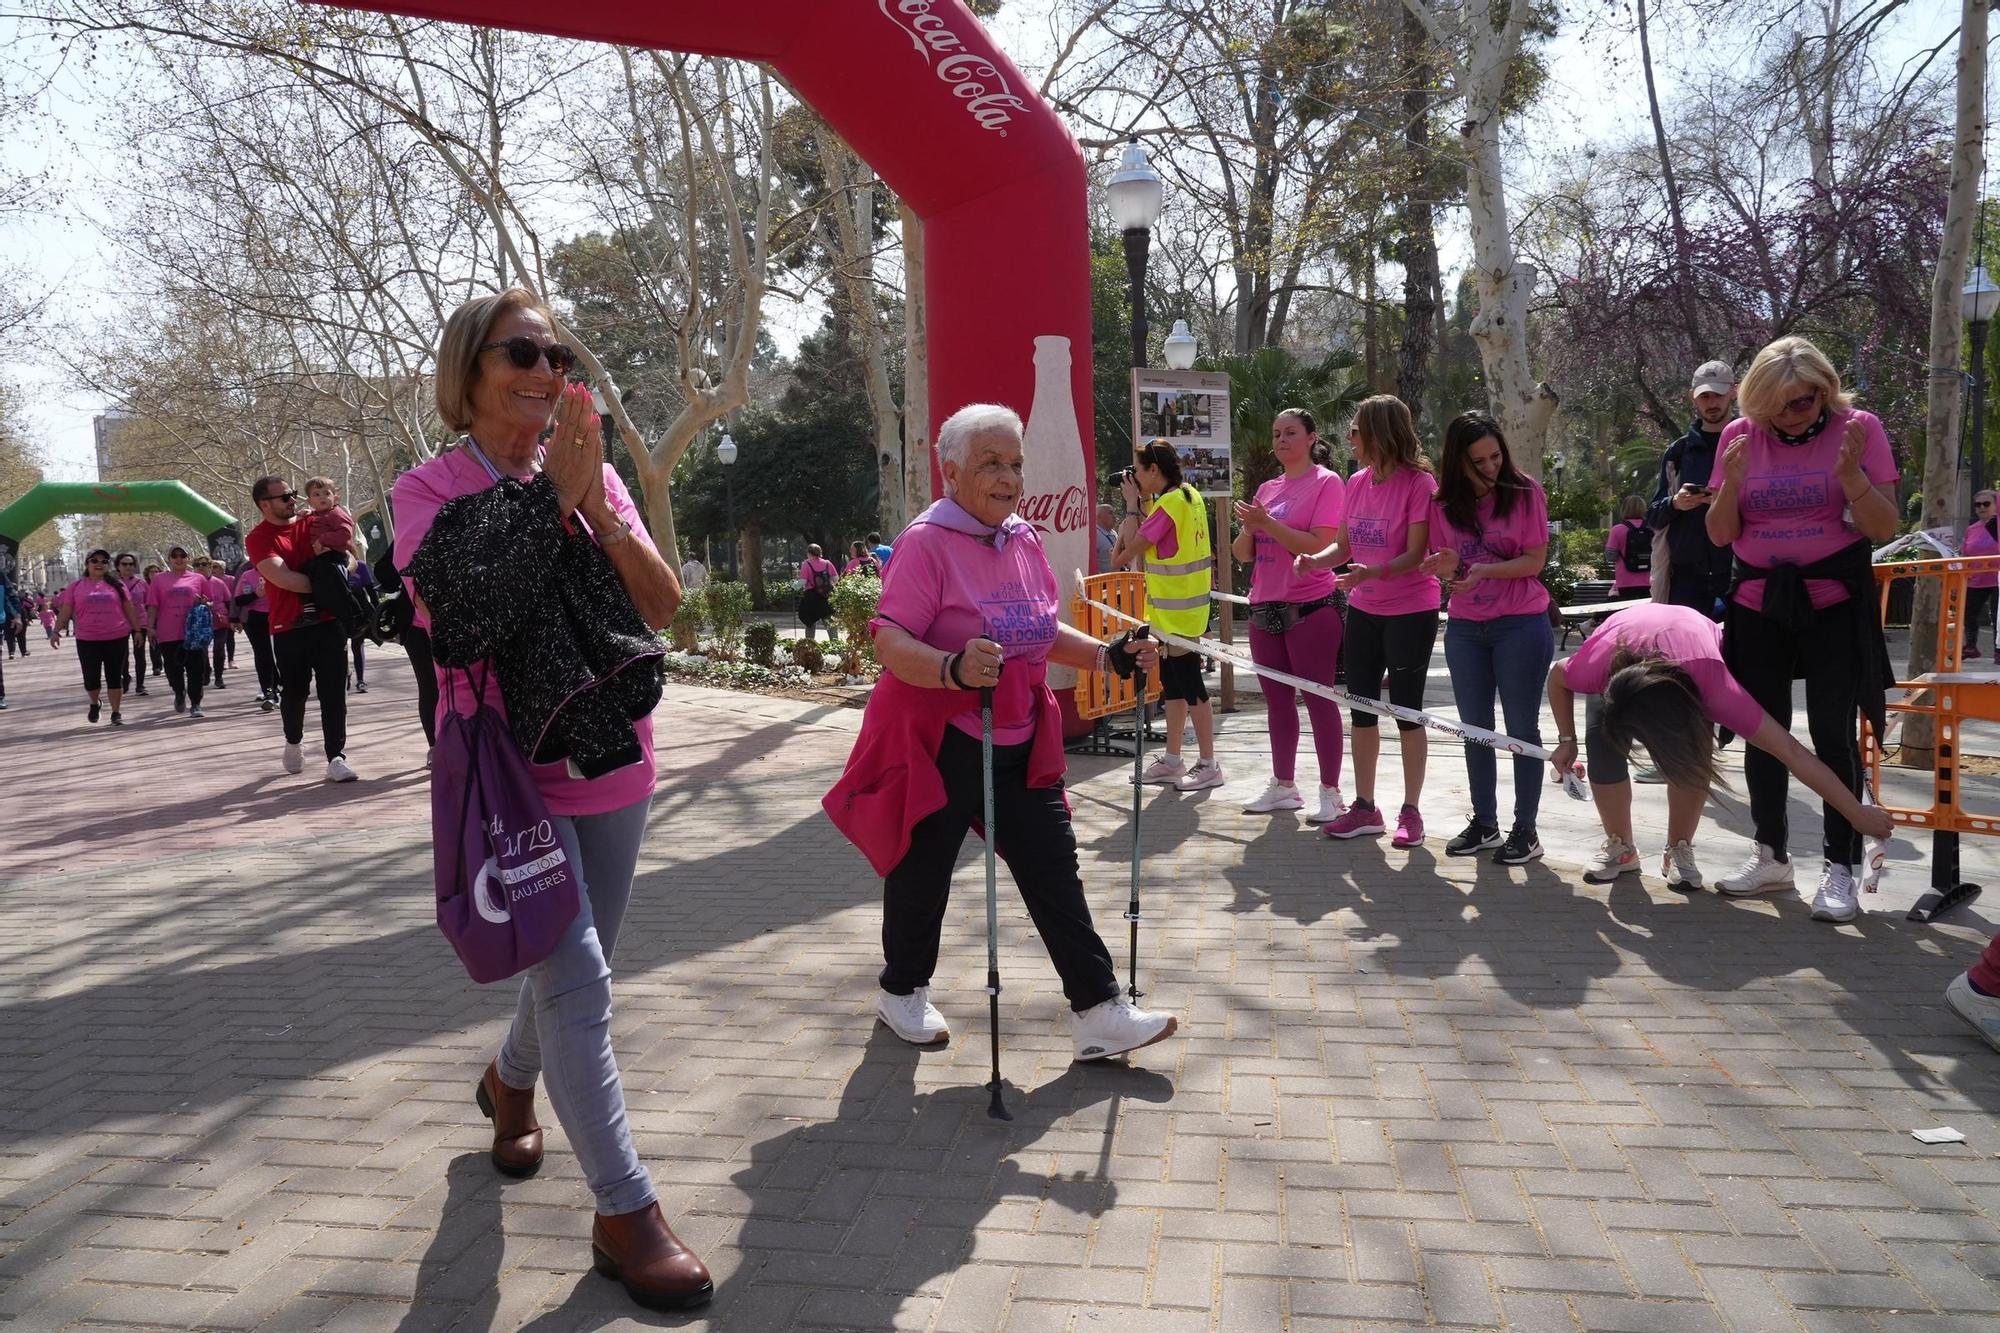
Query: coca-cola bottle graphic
{"x": 1056, "y": 499}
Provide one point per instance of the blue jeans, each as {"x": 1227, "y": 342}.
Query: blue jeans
{"x": 1509, "y": 655}
{"x": 565, "y": 1013}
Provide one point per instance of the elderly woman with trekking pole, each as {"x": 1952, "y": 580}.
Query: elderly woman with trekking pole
{"x": 970, "y": 613}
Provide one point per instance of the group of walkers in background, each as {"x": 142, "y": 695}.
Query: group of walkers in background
{"x": 1762, "y": 526}
{"x": 818, "y": 575}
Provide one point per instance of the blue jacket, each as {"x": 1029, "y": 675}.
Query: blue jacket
{"x": 1691, "y": 458}
{"x": 10, "y": 605}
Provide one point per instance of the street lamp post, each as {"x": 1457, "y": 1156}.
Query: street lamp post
{"x": 1136, "y": 194}
{"x": 1981, "y": 299}
{"x": 725, "y": 453}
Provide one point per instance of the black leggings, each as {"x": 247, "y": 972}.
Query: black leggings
{"x": 1766, "y": 656}
{"x": 417, "y": 643}
{"x": 1400, "y": 645}
{"x": 257, "y": 625}
{"x": 1978, "y": 613}
{"x": 186, "y": 670}
{"x": 223, "y": 649}
{"x": 138, "y": 658}
{"x": 1038, "y": 844}
{"x": 103, "y": 662}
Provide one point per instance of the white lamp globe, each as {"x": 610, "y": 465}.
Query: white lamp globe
{"x": 1135, "y": 191}
{"x": 726, "y": 450}
{"x": 1179, "y": 347}
{"x": 1982, "y": 298}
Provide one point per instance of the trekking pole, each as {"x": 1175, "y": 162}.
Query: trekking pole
{"x": 997, "y": 1109}
{"x": 1138, "y": 774}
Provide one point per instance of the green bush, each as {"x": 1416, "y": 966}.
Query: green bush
{"x": 808, "y": 654}
{"x": 760, "y": 642}
{"x": 728, "y": 608}
{"x": 854, "y": 601}
{"x": 687, "y": 623}
{"x": 1584, "y": 548}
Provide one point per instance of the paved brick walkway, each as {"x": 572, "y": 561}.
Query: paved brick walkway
{"x": 1410, "y": 1090}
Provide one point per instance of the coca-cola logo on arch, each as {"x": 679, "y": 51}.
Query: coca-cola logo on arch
{"x": 974, "y": 79}
{"x": 1056, "y": 513}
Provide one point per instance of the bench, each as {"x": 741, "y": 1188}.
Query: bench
{"x": 1582, "y": 617}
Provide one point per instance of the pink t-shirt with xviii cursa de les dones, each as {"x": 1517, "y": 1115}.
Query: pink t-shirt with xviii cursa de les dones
{"x": 1379, "y": 518}
{"x": 1792, "y": 503}
{"x": 1315, "y": 499}
{"x": 1496, "y": 539}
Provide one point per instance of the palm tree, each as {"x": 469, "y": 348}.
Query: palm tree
{"x": 1266, "y": 382}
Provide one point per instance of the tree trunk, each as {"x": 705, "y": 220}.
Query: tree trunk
{"x": 1690, "y": 325}
{"x": 916, "y": 373}
{"x": 752, "y": 541}
{"x": 853, "y": 212}
{"x": 656, "y": 498}
{"x": 1500, "y": 328}
{"x": 1941, "y": 499}
{"x": 1416, "y": 242}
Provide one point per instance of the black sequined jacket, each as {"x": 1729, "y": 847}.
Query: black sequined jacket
{"x": 508, "y": 584}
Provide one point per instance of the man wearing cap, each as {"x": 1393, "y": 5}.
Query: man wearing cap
{"x": 1688, "y": 568}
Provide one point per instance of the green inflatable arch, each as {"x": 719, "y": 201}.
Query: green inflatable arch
{"x": 52, "y": 499}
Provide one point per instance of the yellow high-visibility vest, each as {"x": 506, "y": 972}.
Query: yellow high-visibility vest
{"x": 1177, "y": 588}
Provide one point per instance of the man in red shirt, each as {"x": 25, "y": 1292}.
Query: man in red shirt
{"x": 309, "y": 646}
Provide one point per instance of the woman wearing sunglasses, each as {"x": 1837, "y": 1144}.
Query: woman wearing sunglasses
{"x": 1982, "y": 538}
{"x": 125, "y": 568}
{"x": 500, "y": 382}
{"x": 171, "y": 596}
{"x": 105, "y": 618}
{"x": 1808, "y": 486}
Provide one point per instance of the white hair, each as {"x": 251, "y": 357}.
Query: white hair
{"x": 955, "y": 436}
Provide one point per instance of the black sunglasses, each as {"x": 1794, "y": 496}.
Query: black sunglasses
{"x": 524, "y": 351}
{"x": 1982, "y": 504}
{"x": 96, "y": 560}
{"x": 288, "y": 495}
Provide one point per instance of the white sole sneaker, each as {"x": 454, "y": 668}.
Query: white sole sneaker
{"x": 1199, "y": 778}
{"x": 1980, "y": 1012}
{"x": 922, "y": 1011}
{"x": 1088, "y": 1049}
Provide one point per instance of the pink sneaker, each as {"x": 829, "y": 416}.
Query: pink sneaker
{"x": 1358, "y": 822}
{"x": 1409, "y": 828}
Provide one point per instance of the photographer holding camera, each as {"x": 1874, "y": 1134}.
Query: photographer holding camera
{"x": 1688, "y": 568}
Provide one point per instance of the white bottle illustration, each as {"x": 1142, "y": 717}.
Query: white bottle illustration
{"x": 1057, "y": 495}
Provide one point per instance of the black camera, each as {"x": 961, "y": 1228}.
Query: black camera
{"x": 1130, "y": 474}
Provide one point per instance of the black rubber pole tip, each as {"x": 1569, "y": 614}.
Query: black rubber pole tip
{"x": 996, "y": 1109}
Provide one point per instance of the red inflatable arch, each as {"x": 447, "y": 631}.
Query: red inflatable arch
{"x": 918, "y": 89}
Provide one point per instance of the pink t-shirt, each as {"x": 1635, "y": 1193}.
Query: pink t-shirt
{"x": 1526, "y": 525}
{"x": 220, "y": 590}
{"x": 135, "y": 588}
{"x": 417, "y": 496}
{"x": 1622, "y": 533}
{"x": 809, "y": 565}
{"x": 1792, "y": 503}
{"x": 1378, "y": 530}
{"x": 946, "y": 587}
{"x": 1315, "y": 498}
{"x": 1980, "y": 541}
{"x": 171, "y": 597}
{"x": 252, "y": 581}
{"x": 1680, "y": 634}
{"x": 96, "y": 610}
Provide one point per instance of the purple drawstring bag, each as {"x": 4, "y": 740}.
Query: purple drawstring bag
{"x": 506, "y": 890}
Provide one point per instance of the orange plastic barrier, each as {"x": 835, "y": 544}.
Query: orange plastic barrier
{"x": 1100, "y": 694}
{"x": 1949, "y": 695}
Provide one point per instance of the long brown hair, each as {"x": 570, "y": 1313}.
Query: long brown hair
{"x": 1389, "y": 434}
{"x": 1652, "y": 701}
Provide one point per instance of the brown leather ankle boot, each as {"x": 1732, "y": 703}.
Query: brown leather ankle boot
{"x": 641, "y": 1251}
{"x": 517, "y": 1137}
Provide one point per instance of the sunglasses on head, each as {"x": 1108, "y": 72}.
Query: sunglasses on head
{"x": 1802, "y": 402}
{"x": 524, "y": 351}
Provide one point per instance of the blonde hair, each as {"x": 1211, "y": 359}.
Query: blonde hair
{"x": 1389, "y": 434}
{"x": 1780, "y": 371}
{"x": 458, "y": 349}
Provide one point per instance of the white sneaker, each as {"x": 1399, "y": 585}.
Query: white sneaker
{"x": 1761, "y": 873}
{"x": 1207, "y": 773}
{"x": 1614, "y": 857}
{"x": 338, "y": 771}
{"x": 913, "y": 1017}
{"x": 1275, "y": 796}
{"x": 1982, "y": 1011}
{"x": 1677, "y": 867}
{"x": 1835, "y": 900}
{"x": 1115, "y": 1027}
{"x": 1164, "y": 770}
{"x": 1331, "y": 807}
{"x": 295, "y": 759}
